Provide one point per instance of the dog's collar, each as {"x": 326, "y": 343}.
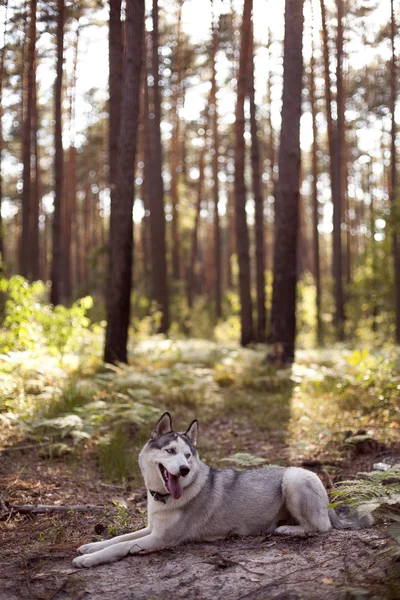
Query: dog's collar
{"x": 159, "y": 497}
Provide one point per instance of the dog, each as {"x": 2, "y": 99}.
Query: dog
{"x": 189, "y": 501}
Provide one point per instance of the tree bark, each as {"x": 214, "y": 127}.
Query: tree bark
{"x": 242, "y": 233}
{"x": 56, "y": 276}
{"x": 195, "y": 231}
{"x": 338, "y": 171}
{"x": 121, "y": 222}
{"x": 35, "y": 192}
{"x": 317, "y": 268}
{"x": 259, "y": 204}
{"x": 393, "y": 176}
{"x": 283, "y": 319}
{"x": 175, "y": 140}
{"x": 335, "y": 139}
{"x": 156, "y": 192}
{"x": 27, "y": 200}
{"x": 115, "y": 86}
{"x": 215, "y": 169}
{"x": 2, "y": 57}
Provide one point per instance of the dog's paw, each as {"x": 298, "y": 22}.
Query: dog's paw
{"x": 290, "y": 530}
{"x": 84, "y": 561}
{"x": 89, "y": 548}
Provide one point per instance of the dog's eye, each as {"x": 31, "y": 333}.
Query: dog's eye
{"x": 187, "y": 455}
{"x": 170, "y": 450}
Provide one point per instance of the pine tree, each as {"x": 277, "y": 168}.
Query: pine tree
{"x": 283, "y": 317}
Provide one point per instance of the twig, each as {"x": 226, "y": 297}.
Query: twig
{"x": 28, "y": 447}
{"x": 46, "y": 508}
{"x": 112, "y": 486}
{"x": 274, "y": 583}
{"x": 59, "y": 589}
{"x": 284, "y": 581}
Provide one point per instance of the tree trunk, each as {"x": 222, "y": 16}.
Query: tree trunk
{"x": 35, "y": 192}
{"x": 259, "y": 204}
{"x": 121, "y": 222}
{"x": 317, "y": 269}
{"x": 195, "y": 231}
{"x": 156, "y": 191}
{"x": 338, "y": 169}
{"x": 268, "y": 234}
{"x": 335, "y": 138}
{"x": 27, "y": 200}
{"x": 56, "y": 276}
{"x": 242, "y": 233}
{"x": 393, "y": 176}
{"x": 230, "y": 235}
{"x": 2, "y": 56}
{"x": 115, "y": 87}
{"x": 175, "y": 158}
{"x": 283, "y": 320}
{"x": 215, "y": 169}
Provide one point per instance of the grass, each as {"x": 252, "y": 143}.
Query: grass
{"x": 243, "y": 403}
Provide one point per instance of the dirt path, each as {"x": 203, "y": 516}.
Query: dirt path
{"x": 319, "y": 567}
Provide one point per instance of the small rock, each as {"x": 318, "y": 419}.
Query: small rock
{"x": 381, "y": 466}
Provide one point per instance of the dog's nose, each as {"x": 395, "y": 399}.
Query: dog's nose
{"x": 184, "y": 471}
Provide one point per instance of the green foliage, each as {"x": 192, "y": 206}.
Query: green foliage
{"x": 29, "y": 321}
{"x": 117, "y": 458}
{"x": 373, "y": 492}
{"x": 21, "y": 327}
{"x": 377, "y": 493}
{"x": 370, "y": 305}
{"x": 120, "y": 521}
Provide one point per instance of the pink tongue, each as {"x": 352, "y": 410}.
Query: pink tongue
{"x": 175, "y": 486}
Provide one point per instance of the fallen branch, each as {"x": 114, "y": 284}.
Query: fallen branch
{"x": 46, "y": 508}
{"x": 27, "y": 447}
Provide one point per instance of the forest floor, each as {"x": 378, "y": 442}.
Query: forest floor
{"x": 70, "y": 433}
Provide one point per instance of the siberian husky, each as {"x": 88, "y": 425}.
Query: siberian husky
{"x": 189, "y": 501}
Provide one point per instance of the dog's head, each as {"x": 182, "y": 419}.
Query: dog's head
{"x": 169, "y": 460}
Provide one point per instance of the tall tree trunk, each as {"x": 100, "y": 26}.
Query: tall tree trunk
{"x": 115, "y": 86}
{"x": 121, "y": 222}
{"x": 35, "y": 192}
{"x": 258, "y": 203}
{"x": 215, "y": 169}
{"x": 393, "y": 174}
{"x": 317, "y": 269}
{"x": 242, "y": 233}
{"x": 175, "y": 157}
{"x": 268, "y": 234}
{"x": 283, "y": 320}
{"x": 26, "y": 242}
{"x": 230, "y": 236}
{"x": 335, "y": 139}
{"x": 157, "y": 218}
{"x": 195, "y": 231}
{"x": 338, "y": 170}
{"x": 56, "y": 275}
{"x": 2, "y": 57}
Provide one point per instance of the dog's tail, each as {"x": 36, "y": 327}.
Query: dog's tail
{"x": 354, "y": 522}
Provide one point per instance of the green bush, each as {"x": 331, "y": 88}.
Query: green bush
{"x": 29, "y": 320}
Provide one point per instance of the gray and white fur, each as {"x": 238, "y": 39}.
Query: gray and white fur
{"x": 189, "y": 501}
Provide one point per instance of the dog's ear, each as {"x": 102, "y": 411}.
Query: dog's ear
{"x": 192, "y": 431}
{"x": 164, "y": 425}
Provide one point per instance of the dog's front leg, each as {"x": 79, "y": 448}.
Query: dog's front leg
{"x": 118, "y": 551}
{"x": 96, "y": 546}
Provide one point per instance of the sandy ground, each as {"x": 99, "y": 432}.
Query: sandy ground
{"x": 320, "y": 567}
